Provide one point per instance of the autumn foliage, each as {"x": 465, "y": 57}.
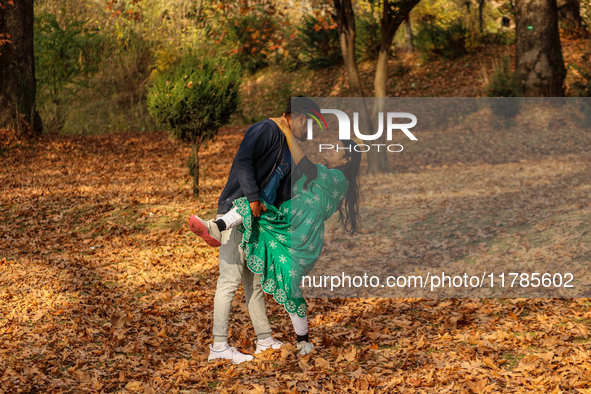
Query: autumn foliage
{"x": 105, "y": 289}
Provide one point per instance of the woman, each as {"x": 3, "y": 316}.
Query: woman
{"x": 285, "y": 243}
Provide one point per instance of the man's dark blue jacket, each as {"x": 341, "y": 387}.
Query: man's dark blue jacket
{"x": 257, "y": 156}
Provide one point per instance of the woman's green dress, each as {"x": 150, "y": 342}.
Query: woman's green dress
{"x": 285, "y": 243}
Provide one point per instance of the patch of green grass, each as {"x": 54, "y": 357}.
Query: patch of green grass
{"x": 212, "y": 385}
{"x": 512, "y": 359}
{"x": 388, "y": 347}
{"x": 468, "y": 344}
{"x": 524, "y": 333}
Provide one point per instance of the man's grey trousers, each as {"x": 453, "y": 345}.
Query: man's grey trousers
{"x": 233, "y": 270}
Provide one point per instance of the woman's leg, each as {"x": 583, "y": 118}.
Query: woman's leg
{"x": 300, "y": 326}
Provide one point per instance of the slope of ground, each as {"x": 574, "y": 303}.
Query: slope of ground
{"x": 267, "y": 92}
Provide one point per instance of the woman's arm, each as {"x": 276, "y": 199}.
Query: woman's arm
{"x": 301, "y": 161}
{"x": 296, "y": 152}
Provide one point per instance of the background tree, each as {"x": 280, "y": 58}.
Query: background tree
{"x": 63, "y": 53}
{"x": 569, "y": 16}
{"x": 194, "y": 100}
{"x": 481, "y": 4}
{"x": 17, "y": 66}
{"x": 410, "y": 46}
{"x": 538, "y": 52}
{"x": 345, "y": 18}
{"x": 394, "y": 13}
{"x": 467, "y": 7}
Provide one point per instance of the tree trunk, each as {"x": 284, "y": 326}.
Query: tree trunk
{"x": 17, "y": 67}
{"x": 345, "y": 18}
{"x": 194, "y": 168}
{"x": 467, "y": 14}
{"x": 569, "y": 16}
{"x": 538, "y": 52}
{"x": 392, "y": 17}
{"x": 377, "y": 161}
{"x": 481, "y": 16}
{"x": 410, "y": 47}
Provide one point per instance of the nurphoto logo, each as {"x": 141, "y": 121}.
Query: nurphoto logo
{"x": 345, "y": 128}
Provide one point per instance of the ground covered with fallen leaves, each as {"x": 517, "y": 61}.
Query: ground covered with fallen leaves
{"x": 105, "y": 289}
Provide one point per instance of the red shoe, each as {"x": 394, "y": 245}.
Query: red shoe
{"x": 207, "y": 230}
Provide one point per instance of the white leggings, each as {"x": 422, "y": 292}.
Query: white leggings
{"x": 300, "y": 324}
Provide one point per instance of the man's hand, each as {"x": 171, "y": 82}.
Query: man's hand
{"x": 256, "y": 207}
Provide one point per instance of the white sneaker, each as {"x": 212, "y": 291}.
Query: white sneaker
{"x": 304, "y": 347}
{"x": 206, "y": 229}
{"x": 229, "y": 353}
{"x": 262, "y": 347}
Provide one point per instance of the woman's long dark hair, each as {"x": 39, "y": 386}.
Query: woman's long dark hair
{"x": 349, "y": 209}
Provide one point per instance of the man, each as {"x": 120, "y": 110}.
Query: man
{"x": 261, "y": 159}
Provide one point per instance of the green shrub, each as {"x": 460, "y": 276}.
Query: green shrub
{"x": 582, "y": 82}
{"x": 290, "y": 59}
{"x": 500, "y": 37}
{"x": 399, "y": 69}
{"x": 502, "y": 81}
{"x": 250, "y": 38}
{"x": 434, "y": 40}
{"x": 582, "y": 88}
{"x": 193, "y": 100}
{"x": 476, "y": 41}
{"x": 287, "y": 55}
{"x": 500, "y": 84}
{"x": 62, "y": 54}
{"x": 320, "y": 43}
{"x": 368, "y": 37}
{"x": 113, "y": 98}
